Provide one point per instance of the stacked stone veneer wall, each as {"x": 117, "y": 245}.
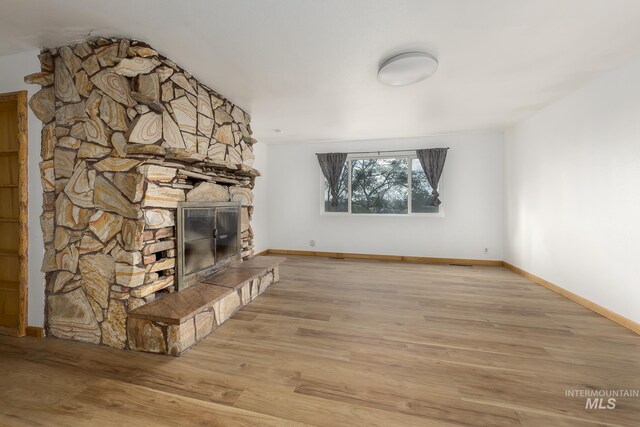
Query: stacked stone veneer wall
{"x": 127, "y": 134}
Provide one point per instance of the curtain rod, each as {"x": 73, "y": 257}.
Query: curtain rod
{"x": 382, "y": 151}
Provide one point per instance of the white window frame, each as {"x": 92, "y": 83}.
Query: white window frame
{"x": 375, "y": 155}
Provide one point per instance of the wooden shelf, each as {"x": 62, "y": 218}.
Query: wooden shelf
{"x": 13, "y": 195}
{"x": 6, "y": 285}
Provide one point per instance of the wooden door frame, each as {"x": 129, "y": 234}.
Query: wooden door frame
{"x": 23, "y": 215}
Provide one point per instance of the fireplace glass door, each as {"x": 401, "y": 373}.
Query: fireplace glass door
{"x": 226, "y": 233}
{"x": 208, "y": 239}
{"x": 199, "y": 239}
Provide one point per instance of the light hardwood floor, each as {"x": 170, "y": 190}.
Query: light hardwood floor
{"x": 351, "y": 343}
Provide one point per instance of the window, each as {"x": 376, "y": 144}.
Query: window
{"x": 382, "y": 185}
{"x": 379, "y": 186}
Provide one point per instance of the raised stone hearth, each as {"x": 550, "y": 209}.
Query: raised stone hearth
{"x": 176, "y": 322}
{"x": 127, "y": 134}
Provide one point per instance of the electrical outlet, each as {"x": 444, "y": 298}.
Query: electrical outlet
{"x": 486, "y": 250}
{"x": 312, "y": 243}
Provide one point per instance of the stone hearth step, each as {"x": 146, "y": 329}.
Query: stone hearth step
{"x": 174, "y": 323}
{"x": 177, "y": 307}
{"x": 233, "y": 278}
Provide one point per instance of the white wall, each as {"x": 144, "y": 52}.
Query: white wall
{"x": 471, "y": 194}
{"x": 572, "y": 192}
{"x": 260, "y": 220}
{"x": 13, "y": 68}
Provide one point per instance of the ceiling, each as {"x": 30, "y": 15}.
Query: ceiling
{"x": 309, "y": 67}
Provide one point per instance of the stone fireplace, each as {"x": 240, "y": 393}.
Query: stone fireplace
{"x": 127, "y": 136}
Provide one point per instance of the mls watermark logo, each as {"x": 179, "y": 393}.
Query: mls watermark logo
{"x": 601, "y": 399}
{"x": 599, "y": 403}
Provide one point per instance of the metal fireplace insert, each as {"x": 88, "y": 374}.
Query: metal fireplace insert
{"x": 208, "y": 239}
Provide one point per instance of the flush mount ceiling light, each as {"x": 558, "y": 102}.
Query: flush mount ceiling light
{"x": 407, "y": 68}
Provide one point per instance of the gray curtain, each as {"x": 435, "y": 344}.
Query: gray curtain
{"x": 331, "y": 165}
{"x": 432, "y": 161}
